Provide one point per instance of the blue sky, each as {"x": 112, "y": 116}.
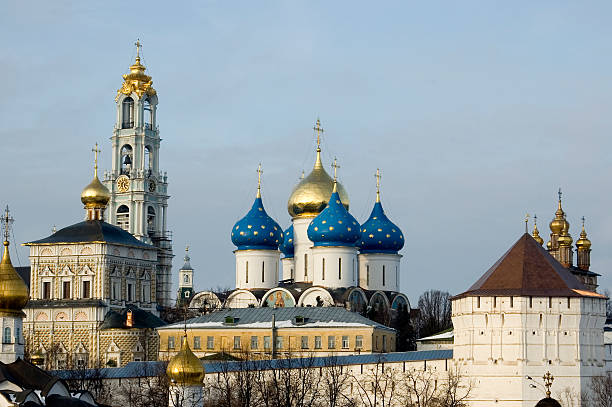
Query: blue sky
{"x": 476, "y": 112}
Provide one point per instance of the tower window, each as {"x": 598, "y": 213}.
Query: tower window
{"x": 126, "y": 159}
{"x": 123, "y": 217}
{"x": 151, "y": 221}
{"x": 7, "y": 335}
{"x": 186, "y": 278}
{"x": 323, "y": 271}
{"x": 306, "y": 266}
{"x": 247, "y": 272}
{"x": 384, "y": 275}
{"x": 263, "y": 271}
{"x": 148, "y": 114}
{"x": 127, "y": 111}
{"x": 340, "y": 268}
{"x": 368, "y": 274}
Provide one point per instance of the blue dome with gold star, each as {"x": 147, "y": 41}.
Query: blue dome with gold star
{"x": 379, "y": 234}
{"x": 257, "y": 230}
{"x": 287, "y": 246}
{"x": 334, "y": 226}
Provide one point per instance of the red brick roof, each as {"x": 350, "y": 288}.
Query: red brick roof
{"x": 528, "y": 270}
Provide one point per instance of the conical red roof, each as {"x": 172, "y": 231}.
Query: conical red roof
{"x": 527, "y": 269}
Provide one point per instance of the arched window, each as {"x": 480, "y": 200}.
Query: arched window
{"x": 126, "y": 159}
{"x": 123, "y": 217}
{"x": 148, "y": 114}
{"x": 7, "y": 335}
{"x": 148, "y": 162}
{"x": 127, "y": 113}
{"x": 151, "y": 221}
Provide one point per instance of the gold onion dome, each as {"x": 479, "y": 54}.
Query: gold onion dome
{"x": 557, "y": 224}
{"x": 13, "y": 291}
{"x": 536, "y": 235}
{"x": 583, "y": 243}
{"x": 565, "y": 239}
{"x": 185, "y": 368}
{"x": 95, "y": 195}
{"x": 136, "y": 81}
{"x": 311, "y": 195}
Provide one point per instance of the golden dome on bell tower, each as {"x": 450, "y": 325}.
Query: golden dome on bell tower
{"x": 14, "y": 293}
{"x": 583, "y": 243}
{"x": 185, "y": 368}
{"x": 311, "y": 195}
{"x": 136, "y": 81}
{"x": 559, "y": 222}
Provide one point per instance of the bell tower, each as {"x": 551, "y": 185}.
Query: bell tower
{"x": 139, "y": 189}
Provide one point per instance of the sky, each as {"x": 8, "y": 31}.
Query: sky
{"x": 476, "y": 112}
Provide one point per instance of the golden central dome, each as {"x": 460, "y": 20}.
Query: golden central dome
{"x": 13, "y": 291}
{"x": 312, "y": 194}
{"x": 185, "y": 368}
{"x": 95, "y": 195}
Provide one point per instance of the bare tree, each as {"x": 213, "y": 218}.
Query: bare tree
{"x": 378, "y": 385}
{"x": 335, "y": 382}
{"x": 435, "y": 312}
{"x": 601, "y": 391}
{"x": 455, "y": 389}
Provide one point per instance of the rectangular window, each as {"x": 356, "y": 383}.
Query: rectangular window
{"x": 549, "y": 302}
{"x": 197, "y": 342}
{"x": 115, "y": 290}
{"x": 279, "y": 342}
{"x": 323, "y": 266}
{"x": 317, "y": 342}
{"x": 171, "y": 342}
{"x": 568, "y": 302}
{"x": 86, "y": 293}
{"x": 47, "y": 290}
{"x": 331, "y": 342}
{"x": 267, "y": 342}
{"x": 340, "y": 269}
{"x": 306, "y": 265}
{"x": 494, "y": 302}
{"x": 66, "y": 290}
{"x": 511, "y": 302}
{"x": 236, "y": 342}
{"x": 345, "y": 342}
{"x": 247, "y": 272}
{"x": 359, "y": 341}
{"x": 263, "y": 270}
{"x": 304, "y": 342}
{"x": 384, "y": 343}
{"x": 384, "y": 277}
{"x": 129, "y": 291}
{"x": 210, "y": 342}
{"x": 368, "y": 274}
{"x": 7, "y": 335}
{"x": 478, "y": 302}
{"x": 17, "y": 335}
{"x": 530, "y": 302}
{"x": 254, "y": 342}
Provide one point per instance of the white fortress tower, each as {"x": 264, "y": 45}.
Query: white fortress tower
{"x": 257, "y": 237}
{"x": 139, "y": 190}
{"x": 526, "y": 316}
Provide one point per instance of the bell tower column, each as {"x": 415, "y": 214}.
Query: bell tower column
{"x": 139, "y": 190}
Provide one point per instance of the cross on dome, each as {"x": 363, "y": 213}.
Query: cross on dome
{"x": 96, "y": 150}
{"x": 138, "y": 46}
{"x": 7, "y": 221}
{"x": 259, "y": 172}
{"x": 319, "y": 130}
{"x": 526, "y": 221}
{"x": 378, "y": 176}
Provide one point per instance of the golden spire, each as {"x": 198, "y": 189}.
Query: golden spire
{"x": 259, "y": 172}
{"x": 335, "y": 166}
{"x": 558, "y": 223}
{"x": 302, "y": 176}
{"x": 136, "y": 81}
{"x": 185, "y": 368}
{"x": 378, "y": 176}
{"x": 13, "y": 291}
{"x": 536, "y": 233}
{"x": 583, "y": 243}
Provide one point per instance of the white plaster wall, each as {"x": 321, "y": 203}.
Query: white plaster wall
{"x": 337, "y": 274}
{"x": 258, "y": 260}
{"x": 288, "y": 264}
{"x": 302, "y": 250}
{"x": 375, "y": 263}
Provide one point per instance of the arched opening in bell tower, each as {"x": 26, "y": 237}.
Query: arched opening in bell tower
{"x": 127, "y": 113}
{"x": 148, "y": 114}
{"x": 148, "y": 160}
{"x": 151, "y": 221}
{"x": 123, "y": 217}
{"x": 126, "y": 159}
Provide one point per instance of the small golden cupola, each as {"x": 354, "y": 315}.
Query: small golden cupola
{"x": 583, "y": 246}
{"x": 136, "y": 81}
{"x": 185, "y": 369}
{"x": 536, "y": 233}
{"x": 95, "y": 196}
{"x": 556, "y": 225}
{"x": 311, "y": 195}
{"x": 13, "y": 290}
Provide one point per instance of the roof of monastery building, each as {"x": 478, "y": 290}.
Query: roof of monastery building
{"x": 118, "y": 319}
{"x": 313, "y": 317}
{"x": 527, "y": 269}
{"x": 92, "y": 231}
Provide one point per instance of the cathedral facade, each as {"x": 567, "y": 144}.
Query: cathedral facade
{"x": 324, "y": 258}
